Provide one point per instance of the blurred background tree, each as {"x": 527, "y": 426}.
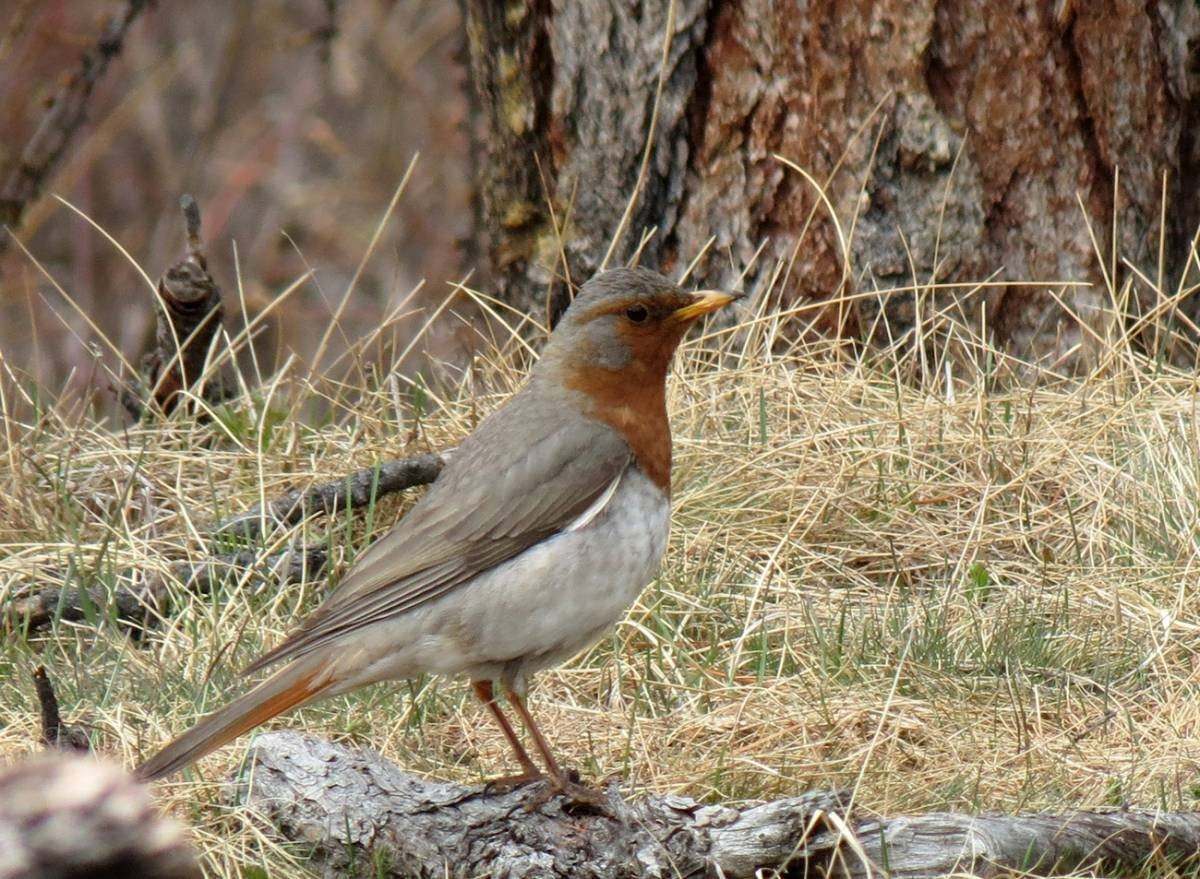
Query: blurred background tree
{"x": 956, "y": 142}
{"x": 291, "y": 121}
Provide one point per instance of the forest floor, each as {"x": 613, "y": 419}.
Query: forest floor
{"x": 914, "y": 576}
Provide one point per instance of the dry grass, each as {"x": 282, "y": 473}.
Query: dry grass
{"x": 950, "y": 593}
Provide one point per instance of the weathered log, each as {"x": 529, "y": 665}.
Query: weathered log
{"x": 70, "y": 817}
{"x": 354, "y": 807}
{"x": 353, "y": 491}
{"x": 943, "y": 844}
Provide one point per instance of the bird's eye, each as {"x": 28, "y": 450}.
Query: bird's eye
{"x": 637, "y": 313}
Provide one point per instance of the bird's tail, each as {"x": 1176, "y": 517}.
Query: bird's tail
{"x": 289, "y": 687}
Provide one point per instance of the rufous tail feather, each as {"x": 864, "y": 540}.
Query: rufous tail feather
{"x": 291, "y": 686}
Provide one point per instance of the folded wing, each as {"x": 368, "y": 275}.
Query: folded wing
{"x": 526, "y": 473}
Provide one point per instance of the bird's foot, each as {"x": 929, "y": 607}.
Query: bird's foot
{"x": 506, "y": 783}
{"x": 574, "y": 795}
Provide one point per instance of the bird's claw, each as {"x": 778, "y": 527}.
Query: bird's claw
{"x": 574, "y": 795}
{"x": 506, "y": 783}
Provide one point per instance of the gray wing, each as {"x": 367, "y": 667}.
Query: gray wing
{"x": 528, "y": 471}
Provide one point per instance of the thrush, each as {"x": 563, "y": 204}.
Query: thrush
{"x": 541, "y": 531}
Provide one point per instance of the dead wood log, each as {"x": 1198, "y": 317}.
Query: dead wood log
{"x": 358, "y": 811}
{"x": 355, "y": 807}
{"x": 68, "y": 817}
{"x": 942, "y": 844}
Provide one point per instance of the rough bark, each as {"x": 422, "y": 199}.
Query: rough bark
{"x": 72, "y": 817}
{"x": 364, "y": 816}
{"x": 952, "y": 139}
{"x": 509, "y": 56}
{"x": 356, "y": 808}
{"x": 571, "y": 86}
{"x": 943, "y": 844}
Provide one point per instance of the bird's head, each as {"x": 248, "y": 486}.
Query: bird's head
{"x": 628, "y": 321}
{"x": 610, "y": 354}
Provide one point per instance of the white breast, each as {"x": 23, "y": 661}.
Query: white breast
{"x": 545, "y": 604}
{"x": 558, "y": 597}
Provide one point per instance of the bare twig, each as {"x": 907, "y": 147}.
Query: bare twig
{"x": 66, "y": 114}
{"x": 34, "y": 609}
{"x": 55, "y": 733}
{"x": 353, "y": 491}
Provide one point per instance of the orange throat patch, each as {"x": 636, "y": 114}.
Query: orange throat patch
{"x": 633, "y": 404}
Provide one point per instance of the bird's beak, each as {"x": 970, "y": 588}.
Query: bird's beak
{"x": 703, "y": 301}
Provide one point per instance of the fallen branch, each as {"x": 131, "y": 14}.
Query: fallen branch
{"x": 34, "y": 609}
{"x": 354, "y": 807}
{"x": 66, "y": 114}
{"x": 63, "y": 817}
{"x": 942, "y": 844}
{"x": 353, "y": 491}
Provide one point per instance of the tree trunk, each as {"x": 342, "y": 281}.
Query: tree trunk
{"x": 956, "y": 141}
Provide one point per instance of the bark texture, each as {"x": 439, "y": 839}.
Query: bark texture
{"x": 955, "y": 141}
{"x": 364, "y": 816}
{"x": 363, "y": 813}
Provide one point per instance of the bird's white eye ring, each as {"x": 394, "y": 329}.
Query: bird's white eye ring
{"x": 637, "y": 313}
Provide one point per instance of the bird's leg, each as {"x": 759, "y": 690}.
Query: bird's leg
{"x": 530, "y": 772}
{"x": 539, "y": 741}
{"x": 559, "y": 781}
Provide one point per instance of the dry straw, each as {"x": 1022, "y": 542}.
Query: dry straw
{"x": 940, "y": 576}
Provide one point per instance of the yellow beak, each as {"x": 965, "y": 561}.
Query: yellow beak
{"x": 703, "y": 301}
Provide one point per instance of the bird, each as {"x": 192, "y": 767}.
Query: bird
{"x": 541, "y": 531}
